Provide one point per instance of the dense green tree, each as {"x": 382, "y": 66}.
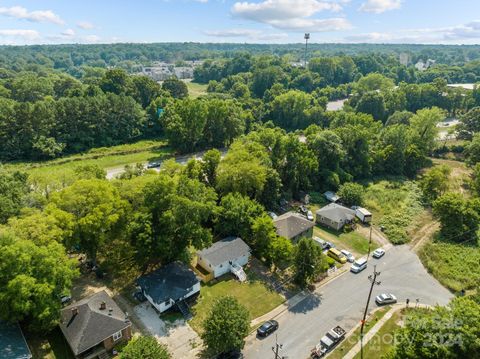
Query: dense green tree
{"x": 116, "y": 81}
{"x": 90, "y": 172}
{"x": 33, "y": 279}
{"x": 372, "y": 103}
{"x": 263, "y": 233}
{"x": 288, "y": 110}
{"x": 351, "y": 194}
{"x": 374, "y": 82}
{"x": 423, "y": 130}
{"x": 475, "y": 182}
{"x": 325, "y": 67}
{"x": 98, "y": 212}
{"x": 145, "y": 90}
{"x": 28, "y": 87}
{"x": 13, "y": 193}
{"x": 442, "y": 332}
{"x": 177, "y": 88}
{"x": 435, "y": 182}
{"x": 210, "y": 162}
{"x": 264, "y": 78}
{"x": 472, "y": 151}
{"x": 309, "y": 262}
{"x": 144, "y": 348}
{"x": 236, "y": 216}
{"x": 226, "y": 326}
{"x": 459, "y": 217}
{"x": 223, "y": 123}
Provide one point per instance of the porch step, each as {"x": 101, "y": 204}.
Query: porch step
{"x": 184, "y": 309}
{"x": 103, "y": 355}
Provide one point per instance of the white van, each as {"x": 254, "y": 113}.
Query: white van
{"x": 359, "y": 265}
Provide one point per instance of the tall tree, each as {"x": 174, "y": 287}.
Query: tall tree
{"x": 13, "y": 193}
{"x": 309, "y": 262}
{"x": 144, "y": 348}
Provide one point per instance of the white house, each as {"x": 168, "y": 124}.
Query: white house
{"x": 363, "y": 214}
{"x": 169, "y": 285}
{"x": 223, "y": 256}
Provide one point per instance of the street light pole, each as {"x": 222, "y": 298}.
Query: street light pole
{"x": 276, "y": 348}
{"x": 307, "y": 37}
{"x": 373, "y": 280}
{"x": 369, "y": 242}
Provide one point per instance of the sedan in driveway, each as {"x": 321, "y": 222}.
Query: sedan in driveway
{"x": 378, "y": 253}
{"x": 267, "y": 328}
{"x": 384, "y": 299}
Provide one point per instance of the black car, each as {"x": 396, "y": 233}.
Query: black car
{"x": 267, "y": 328}
{"x": 232, "y": 354}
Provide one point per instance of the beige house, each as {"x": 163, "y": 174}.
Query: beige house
{"x": 293, "y": 226}
{"x": 335, "y": 216}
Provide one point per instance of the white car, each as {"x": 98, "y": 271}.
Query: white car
{"x": 378, "y": 253}
{"x": 348, "y": 255}
{"x": 384, "y": 299}
{"x": 310, "y": 215}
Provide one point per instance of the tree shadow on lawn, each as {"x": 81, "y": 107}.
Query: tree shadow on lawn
{"x": 312, "y": 301}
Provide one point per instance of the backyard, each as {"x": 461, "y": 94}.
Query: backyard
{"x": 352, "y": 241}
{"x": 255, "y": 296}
{"x": 51, "y": 346}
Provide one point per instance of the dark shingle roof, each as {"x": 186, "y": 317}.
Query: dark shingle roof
{"x": 227, "y": 249}
{"x": 91, "y": 325}
{"x": 336, "y": 213}
{"x": 12, "y": 342}
{"x": 172, "y": 281}
{"x": 291, "y": 224}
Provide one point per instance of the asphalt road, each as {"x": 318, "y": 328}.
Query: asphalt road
{"x": 342, "y": 302}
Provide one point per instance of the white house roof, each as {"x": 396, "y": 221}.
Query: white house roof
{"x": 336, "y": 213}
{"x": 228, "y": 249}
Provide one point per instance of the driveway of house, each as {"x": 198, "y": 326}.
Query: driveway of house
{"x": 181, "y": 339}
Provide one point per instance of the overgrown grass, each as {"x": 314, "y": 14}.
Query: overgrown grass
{"x": 455, "y": 265}
{"x": 195, "y": 89}
{"x": 61, "y": 171}
{"x": 394, "y": 205}
{"x": 354, "y": 338}
{"x": 353, "y": 241}
{"x": 255, "y": 296}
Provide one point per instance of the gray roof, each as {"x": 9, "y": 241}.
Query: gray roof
{"x": 331, "y": 196}
{"x": 227, "y": 249}
{"x": 336, "y": 213}
{"x": 291, "y": 224}
{"x": 12, "y": 342}
{"x": 91, "y": 325}
{"x": 172, "y": 281}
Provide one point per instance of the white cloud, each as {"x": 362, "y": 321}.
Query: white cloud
{"x": 19, "y": 12}
{"x": 379, "y": 6}
{"x": 68, "y": 33}
{"x": 468, "y": 33}
{"x": 250, "y": 34}
{"x": 85, "y": 25}
{"x": 294, "y": 15}
{"x": 28, "y": 35}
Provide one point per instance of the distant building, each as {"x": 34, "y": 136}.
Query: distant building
{"x": 293, "y": 226}
{"x": 335, "y": 216}
{"x": 94, "y": 326}
{"x": 404, "y": 59}
{"x": 422, "y": 66}
{"x": 12, "y": 342}
{"x": 169, "y": 285}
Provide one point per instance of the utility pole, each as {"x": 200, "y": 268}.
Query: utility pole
{"x": 276, "y": 348}
{"x": 369, "y": 242}
{"x": 307, "y": 37}
{"x": 373, "y": 280}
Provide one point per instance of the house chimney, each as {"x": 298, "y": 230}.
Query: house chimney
{"x": 103, "y": 306}
{"x": 74, "y": 311}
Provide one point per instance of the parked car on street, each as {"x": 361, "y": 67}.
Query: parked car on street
{"x": 329, "y": 341}
{"x": 384, "y": 299}
{"x": 310, "y": 215}
{"x": 267, "y": 328}
{"x": 378, "y": 253}
{"x": 337, "y": 255}
{"x": 348, "y": 255}
{"x": 359, "y": 265}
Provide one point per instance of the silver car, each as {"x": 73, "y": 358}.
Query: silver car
{"x": 384, "y": 299}
{"x": 378, "y": 253}
{"x": 348, "y": 255}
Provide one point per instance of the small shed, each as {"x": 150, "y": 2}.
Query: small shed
{"x": 363, "y": 214}
{"x": 331, "y": 196}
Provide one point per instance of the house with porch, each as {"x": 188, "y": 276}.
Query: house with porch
{"x": 94, "y": 326}
{"x": 293, "y": 226}
{"x": 227, "y": 255}
{"x": 335, "y": 216}
{"x": 174, "y": 284}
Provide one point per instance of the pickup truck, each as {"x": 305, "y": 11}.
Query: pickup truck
{"x": 328, "y": 342}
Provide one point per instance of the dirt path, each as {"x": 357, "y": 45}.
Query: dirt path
{"x": 423, "y": 234}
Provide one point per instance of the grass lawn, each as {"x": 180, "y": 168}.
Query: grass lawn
{"x": 51, "y": 346}
{"x": 353, "y": 339}
{"x": 195, "y": 89}
{"x": 62, "y": 170}
{"x": 353, "y": 241}
{"x": 454, "y": 265}
{"x": 255, "y": 296}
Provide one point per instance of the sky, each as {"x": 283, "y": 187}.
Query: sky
{"x": 251, "y": 21}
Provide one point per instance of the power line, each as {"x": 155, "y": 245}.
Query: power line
{"x": 276, "y": 348}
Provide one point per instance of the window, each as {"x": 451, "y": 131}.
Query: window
{"x": 117, "y": 336}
